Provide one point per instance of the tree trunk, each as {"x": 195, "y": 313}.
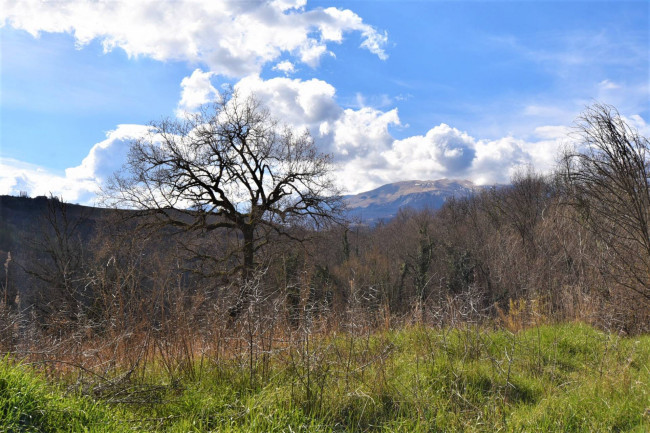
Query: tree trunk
{"x": 247, "y": 271}
{"x": 249, "y": 253}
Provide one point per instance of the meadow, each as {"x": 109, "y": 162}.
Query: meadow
{"x": 548, "y": 378}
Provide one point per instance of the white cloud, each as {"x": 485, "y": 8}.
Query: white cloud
{"x": 285, "y": 66}
{"x": 639, "y": 124}
{"x": 234, "y": 38}
{"x": 373, "y": 158}
{"x": 443, "y": 149}
{"x": 312, "y": 104}
{"x": 78, "y": 184}
{"x": 106, "y": 157}
{"x": 364, "y": 131}
{"x": 196, "y": 90}
{"x": 373, "y": 41}
{"x": 284, "y": 5}
{"x": 448, "y": 152}
{"x": 17, "y": 176}
{"x": 497, "y": 160}
{"x": 299, "y": 103}
{"x": 608, "y": 85}
{"x": 366, "y": 153}
{"x": 231, "y": 37}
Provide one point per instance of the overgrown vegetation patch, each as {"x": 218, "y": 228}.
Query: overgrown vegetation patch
{"x": 549, "y": 378}
{"x": 29, "y": 404}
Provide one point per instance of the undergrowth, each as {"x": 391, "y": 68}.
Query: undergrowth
{"x": 29, "y": 404}
{"x": 569, "y": 377}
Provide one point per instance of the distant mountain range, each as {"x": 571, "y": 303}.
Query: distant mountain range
{"x": 384, "y": 202}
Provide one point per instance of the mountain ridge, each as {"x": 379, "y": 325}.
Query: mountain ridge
{"x": 384, "y": 202}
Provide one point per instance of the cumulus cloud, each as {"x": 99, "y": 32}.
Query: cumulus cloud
{"x": 299, "y": 103}
{"x": 78, "y": 184}
{"x": 443, "y": 149}
{"x": 639, "y": 124}
{"x": 284, "y": 5}
{"x": 106, "y": 157}
{"x": 374, "y": 158}
{"x": 368, "y": 155}
{"x": 497, "y": 160}
{"x": 196, "y": 90}
{"x": 363, "y": 132}
{"x": 365, "y": 151}
{"x": 20, "y": 177}
{"x": 231, "y": 37}
{"x": 312, "y": 104}
{"x": 285, "y": 66}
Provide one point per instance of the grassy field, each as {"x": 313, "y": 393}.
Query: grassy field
{"x": 570, "y": 378}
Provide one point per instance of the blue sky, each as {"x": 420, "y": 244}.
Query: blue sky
{"x": 395, "y": 90}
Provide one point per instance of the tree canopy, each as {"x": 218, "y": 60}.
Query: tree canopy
{"x": 607, "y": 179}
{"x": 230, "y": 166}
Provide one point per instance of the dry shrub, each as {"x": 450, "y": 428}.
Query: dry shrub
{"x": 522, "y": 314}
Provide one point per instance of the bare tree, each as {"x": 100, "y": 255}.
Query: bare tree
{"x": 231, "y": 167}
{"x": 57, "y": 258}
{"x": 522, "y": 204}
{"x": 606, "y": 178}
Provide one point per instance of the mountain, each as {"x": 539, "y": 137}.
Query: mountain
{"x": 384, "y": 202}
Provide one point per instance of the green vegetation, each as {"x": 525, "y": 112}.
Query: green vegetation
{"x": 29, "y": 404}
{"x": 549, "y": 378}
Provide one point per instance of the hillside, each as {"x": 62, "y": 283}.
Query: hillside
{"x": 24, "y": 214}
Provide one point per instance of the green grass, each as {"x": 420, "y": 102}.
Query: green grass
{"x": 29, "y": 404}
{"x": 569, "y": 378}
